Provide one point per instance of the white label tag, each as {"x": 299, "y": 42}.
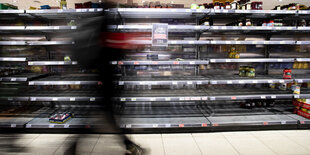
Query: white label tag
{"x": 77, "y": 82}
{"x": 195, "y": 98}
{"x": 92, "y": 99}
{"x": 215, "y": 27}
{"x": 204, "y": 98}
{"x": 173, "y": 42}
{"x": 229, "y": 82}
{"x": 56, "y": 27}
{"x": 213, "y": 82}
{"x": 13, "y": 79}
{"x": 273, "y": 96}
{"x": 227, "y": 60}
{"x": 189, "y": 82}
{"x": 282, "y": 42}
{"x": 13, "y": 125}
{"x": 123, "y": 99}
{"x": 254, "y": 81}
{"x": 51, "y": 126}
{"x": 238, "y": 42}
{"x": 212, "y": 98}
{"x": 28, "y": 125}
{"x": 72, "y": 99}
{"x": 153, "y": 99}
{"x": 33, "y": 99}
{"x": 133, "y": 99}
{"x": 174, "y": 83}
{"x": 296, "y": 96}
{"x": 191, "y": 42}
{"x": 281, "y": 81}
{"x": 167, "y": 125}
{"x": 197, "y": 27}
{"x": 228, "y": 42}
{"x": 270, "y": 81}
{"x": 66, "y": 126}
{"x": 91, "y": 10}
{"x": 128, "y": 125}
{"x": 121, "y": 83}
{"x": 192, "y": 62}
{"x": 240, "y": 81}
{"x": 55, "y": 99}
{"x": 283, "y": 122}
{"x": 155, "y": 125}
{"x": 300, "y": 81}
{"x": 167, "y": 99}
{"x": 280, "y": 60}
{"x": 263, "y": 97}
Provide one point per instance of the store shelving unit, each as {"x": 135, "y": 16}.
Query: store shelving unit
{"x": 58, "y": 84}
{"x": 207, "y": 90}
{"x": 188, "y": 97}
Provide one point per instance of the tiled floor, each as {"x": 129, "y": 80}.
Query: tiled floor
{"x": 291, "y": 142}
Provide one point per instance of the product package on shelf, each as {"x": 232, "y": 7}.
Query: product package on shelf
{"x": 302, "y": 107}
{"x": 61, "y": 117}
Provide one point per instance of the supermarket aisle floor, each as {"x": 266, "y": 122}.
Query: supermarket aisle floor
{"x": 226, "y": 143}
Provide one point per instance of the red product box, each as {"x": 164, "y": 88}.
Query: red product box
{"x": 301, "y": 104}
{"x": 303, "y": 114}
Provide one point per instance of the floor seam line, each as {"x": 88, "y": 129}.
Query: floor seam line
{"x": 196, "y": 144}
{"x": 231, "y": 144}
{"x": 295, "y": 142}
{"x": 264, "y": 143}
{"x": 162, "y": 141}
{"x": 95, "y": 144}
{"x": 62, "y": 144}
